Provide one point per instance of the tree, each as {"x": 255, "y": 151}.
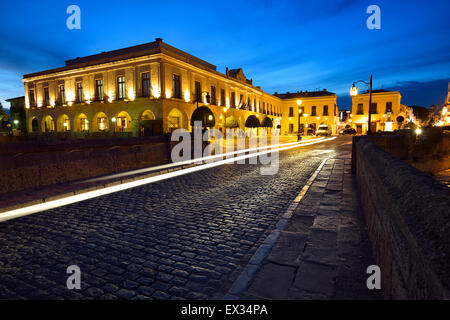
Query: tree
{"x": 267, "y": 123}
{"x": 400, "y": 120}
{"x": 252, "y": 122}
{"x": 410, "y": 125}
{"x": 421, "y": 113}
{"x": 205, "y": 115}
{"x": 4, "y": 117}
{"x": 231, "y": 122}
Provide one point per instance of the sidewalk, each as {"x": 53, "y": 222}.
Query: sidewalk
{"x": 323, "y": 251}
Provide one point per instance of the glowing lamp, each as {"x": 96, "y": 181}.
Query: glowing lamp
{"x": 353, "y": 90}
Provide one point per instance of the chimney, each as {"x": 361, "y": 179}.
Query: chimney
{"x": 159, "y": 40}
{"x": 226, "y": 71}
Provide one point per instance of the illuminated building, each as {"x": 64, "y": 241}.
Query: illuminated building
{"x": 151, "y": 89}
{"x": 385, "y": 112}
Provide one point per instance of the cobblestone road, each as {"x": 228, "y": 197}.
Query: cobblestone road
{"x": 187, "y": 237}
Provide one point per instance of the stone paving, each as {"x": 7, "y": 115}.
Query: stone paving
{"x": 323, "y": 252}
{"x": 184, "y": 238}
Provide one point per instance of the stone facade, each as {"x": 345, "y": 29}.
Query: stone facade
{"x": 151, "y": 89}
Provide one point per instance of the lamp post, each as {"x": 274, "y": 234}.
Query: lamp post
{"x": 300, "y": 111}
{"x": 354, "y": 92}
{"x": 225, "y": 109}
{"x": 199, "y": 96}
{"x": 305, "y": 131}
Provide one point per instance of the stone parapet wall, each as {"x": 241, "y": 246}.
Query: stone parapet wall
{"x": 408, "y": 220}
{"x": 31, "y": 167}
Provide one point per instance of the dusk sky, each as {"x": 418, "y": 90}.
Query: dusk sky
{"x": 282, "y": 45}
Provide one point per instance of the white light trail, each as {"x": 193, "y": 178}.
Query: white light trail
{"x": 16, "y": 213}
{"x": 197, "y": 160}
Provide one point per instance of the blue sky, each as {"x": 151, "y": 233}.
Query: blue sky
{"x": 282, "y": 45}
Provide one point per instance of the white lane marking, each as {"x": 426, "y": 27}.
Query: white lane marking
{"x": 12, "y": 214}
{"x": 181, "y": 163}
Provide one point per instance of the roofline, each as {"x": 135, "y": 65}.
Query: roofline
{"x": 331, "y": 94}
{"x": 16, "y": 98}
{"x": 150, "y": 48}
{"x": 384, "y": 92}
{"x": 162, "y": 54}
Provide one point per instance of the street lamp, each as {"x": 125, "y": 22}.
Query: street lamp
{"x": 305, "y": 131}
{"x": 300, "y": 111}
{"x": 225, "y": 109}
{"x": 354, "y": 92}
{"x": 199, "y": 96}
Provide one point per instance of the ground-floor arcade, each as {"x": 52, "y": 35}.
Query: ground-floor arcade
{"x": 142, "y": 117}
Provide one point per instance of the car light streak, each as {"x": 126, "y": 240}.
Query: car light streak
{"x": 16, "y": 213}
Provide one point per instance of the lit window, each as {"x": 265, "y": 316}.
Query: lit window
{"x": 62, "y": 94}
{"x": 213, "y": 95}
{"x": 388, "y": 107}
{"x": 146, "y": 84}
{"x": 31, "y": 97}
{"x": 176, "y": 86}
{"x": 102, "y": 123}
{"x": 84, "y": 124}
{"x": 79, "y": 92}
{"x": 222, "y": 97}
{"x": 46, "y": 97}
{"x": 121, "y": 122}
{"x": 121, "y": 87}
{"x": 99, "y": 90}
